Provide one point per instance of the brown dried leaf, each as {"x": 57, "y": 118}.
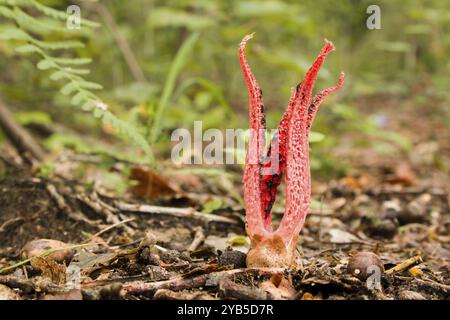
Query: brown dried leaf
{"x": 50, "y": 269}
{"x": 89, "y": 262}
{"x": 307, "y": 296}
{"x": 279, "y": 287}
{"x": 150, "y": 185}
{"x": 403, "y": 174}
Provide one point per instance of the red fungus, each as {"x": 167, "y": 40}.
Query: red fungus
{"x": 288, "y": 153}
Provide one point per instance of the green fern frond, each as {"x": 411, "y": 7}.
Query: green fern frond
{"x": 48, "y": 11}
{"x": 28, "y": 36}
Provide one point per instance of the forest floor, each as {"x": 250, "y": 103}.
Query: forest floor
{"x": 395, "y": 205}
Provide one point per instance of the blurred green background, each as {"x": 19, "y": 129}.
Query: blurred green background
{"x": 168, "y": 63}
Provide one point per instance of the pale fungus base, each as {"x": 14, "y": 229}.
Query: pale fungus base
{"x": 271, "y": 252}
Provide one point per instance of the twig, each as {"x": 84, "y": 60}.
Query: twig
{"x": 180, "y": 283}
{"x": 18, "y": 136}
{"x": 176, "y": 212}
{"x": 404, "y": 265}
{"x": 75, "y": 246}
{"x": 102, "y": 209}
{"x": 109, "y": 228}
{"x": 13, "y": 281}
{"x": 122, "y": 43}
{"x": 41, "y": 284}
{"x": 165, "y": 294}
{"x": 62, "y": 205}
{"x": 10, "y": 224}
{"x": 199, "y": 237}
{"x": 404, "y": 193}
{"x": 433, "y": 285}
{"x": 232, "y": 290}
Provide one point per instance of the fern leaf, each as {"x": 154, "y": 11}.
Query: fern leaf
{"x": 76, "y": 86}
{"x": 69, "y": 88}
{"x": 46, "y": 64}
{"x": 73, "y": 61}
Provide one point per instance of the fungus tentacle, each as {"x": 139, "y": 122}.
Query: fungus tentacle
{"x": 298, "y": 177}
{"x": 255, "y": 149}
{"x": 319, "y": 97}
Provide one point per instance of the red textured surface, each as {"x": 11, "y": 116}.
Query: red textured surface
{"x": 255, "y": 148}
{"x": 288, "y": 152}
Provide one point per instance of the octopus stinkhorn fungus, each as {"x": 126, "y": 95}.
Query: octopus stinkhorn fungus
{"x": 288, "y": 152}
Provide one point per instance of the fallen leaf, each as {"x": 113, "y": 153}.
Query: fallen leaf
{"x": 341, "y": 236}
{"x": 221, "y": 243}
{"x": 415, "y": 271}
{"x": 351, "y": 183}
{"x": 151, "y": 185}
{"x": 211, "y": 205}
{"x": 50, "y": 269}
{"x": 337, "y": 203}
{"x": 279, "y": 287}
{"x": 89, "y": 262}
{"x": 238, "y": 241}
{"x": 356, "y": 183}
{"x": 307, "y": 296}
{"x": 403, "y": 174}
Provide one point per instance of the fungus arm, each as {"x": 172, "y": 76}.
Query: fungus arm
{"x": 255, "y": 148}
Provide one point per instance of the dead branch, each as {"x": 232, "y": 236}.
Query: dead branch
{"x": 166, "y": 294}
{"x": 435, "y": 286}
{"x": 405, "y": 265}
{"x": 233, "y": 290}
{"x": 175, "y": 212}
{"x": 199, "y": 237}
{"x": 11, "y": 224}
{"x": 37, "y": 284}
{"x": 121, "y": 42}
{"x": 181, "y": 283}
{"x": 104, "y": 210}
{"x": 62, "y": 205}
{"x": 18, "y": 136}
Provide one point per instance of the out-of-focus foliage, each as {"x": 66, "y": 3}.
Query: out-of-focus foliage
{"x": 164, "y": 64}
{"x": 40, "y": 35}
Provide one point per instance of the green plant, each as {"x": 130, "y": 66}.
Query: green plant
{"x": 30, "y": 35}
{"x": 169, "y": 86}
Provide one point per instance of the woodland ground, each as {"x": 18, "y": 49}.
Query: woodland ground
{"x": 396, "y": 205}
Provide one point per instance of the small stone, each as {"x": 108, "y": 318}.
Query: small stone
{"x": 391, "y": 208}
{"x": 37, "y": 247}
{"x": 382, "y": 229}
{"x": 364, "y": 264}
{"x": 416, "y": 210}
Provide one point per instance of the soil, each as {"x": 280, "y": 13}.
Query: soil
{"x": 395, "y": 205}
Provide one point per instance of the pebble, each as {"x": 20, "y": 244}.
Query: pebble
{"x": 37, "y": 247}
{"x": 359, "y": 264}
